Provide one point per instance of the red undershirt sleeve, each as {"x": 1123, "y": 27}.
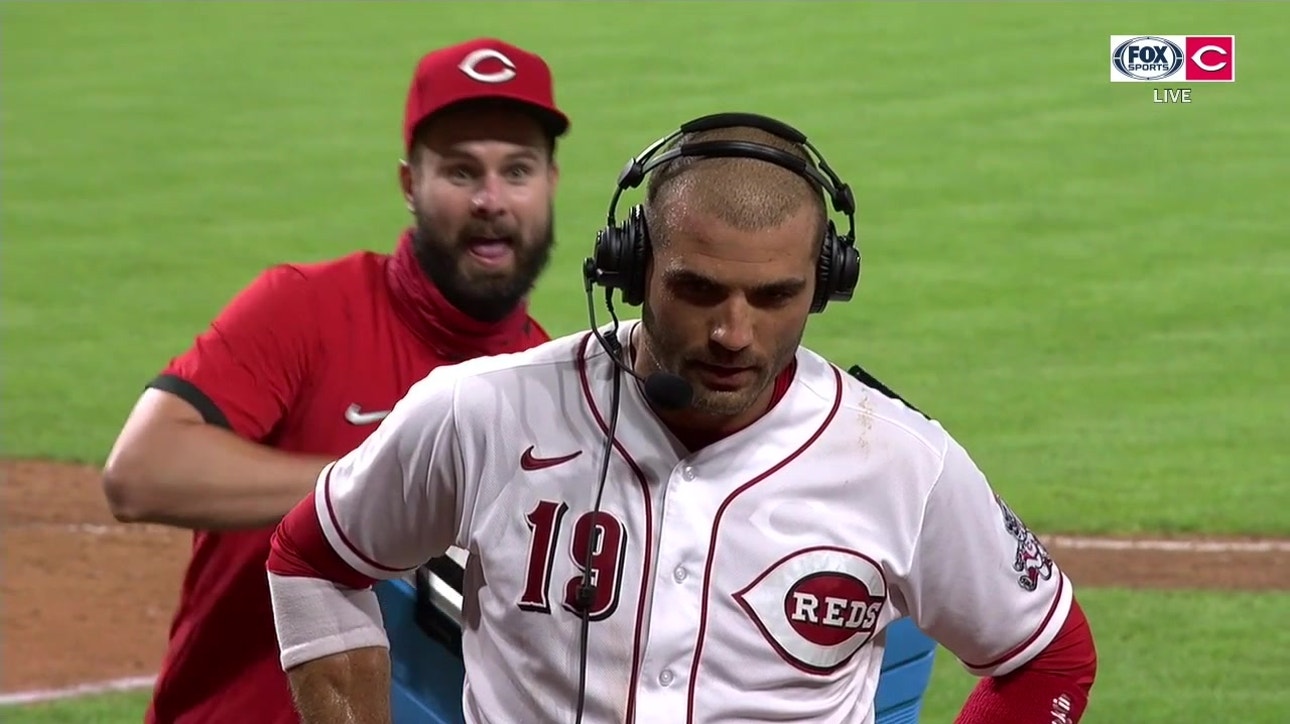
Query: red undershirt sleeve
{"x": 1052, "y": 688}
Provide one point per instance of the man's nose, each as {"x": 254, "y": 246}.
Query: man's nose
{"x": 487, "y": 200}
{"x": 734, "y": 328}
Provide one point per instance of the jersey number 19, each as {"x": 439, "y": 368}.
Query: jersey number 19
{"x": 608, "y": 538}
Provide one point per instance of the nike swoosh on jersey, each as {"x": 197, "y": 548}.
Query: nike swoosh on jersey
{"x": 354, "y": 415}
{"x": 529, "y": 461}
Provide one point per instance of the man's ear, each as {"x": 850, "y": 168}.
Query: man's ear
{"x": 405, "y": 182}
{"x": 553, "y": 174}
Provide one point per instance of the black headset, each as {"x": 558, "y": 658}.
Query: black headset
{"x": 622, "y": 251}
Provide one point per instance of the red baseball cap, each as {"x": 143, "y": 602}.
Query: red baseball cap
{"x": 480, "y": 69}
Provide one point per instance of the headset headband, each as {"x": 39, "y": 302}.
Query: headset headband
{"x": 839, "y": 193}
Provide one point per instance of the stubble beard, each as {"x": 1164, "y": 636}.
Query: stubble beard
{"x": 666, "y": 354}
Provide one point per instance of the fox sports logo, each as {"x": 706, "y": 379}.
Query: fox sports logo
{"x": 1147, "y": 58}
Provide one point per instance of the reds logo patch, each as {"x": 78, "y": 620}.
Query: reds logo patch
{"x": 1032, "y": 560}
{"x": 817, "y": 607}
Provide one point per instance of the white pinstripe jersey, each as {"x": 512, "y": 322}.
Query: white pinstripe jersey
{"x": 748, "y": 581}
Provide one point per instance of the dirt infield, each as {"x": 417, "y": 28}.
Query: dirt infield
{"x": 87, "y": 599}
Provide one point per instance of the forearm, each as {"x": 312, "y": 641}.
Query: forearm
{"x": 194, "y": 475}
{"x": 331, "y": 640}
{"x": 352, "y": 687}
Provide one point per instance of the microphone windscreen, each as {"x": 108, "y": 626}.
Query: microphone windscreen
{"x": 668, "y": 391}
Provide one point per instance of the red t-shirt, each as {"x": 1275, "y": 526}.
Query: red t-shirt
{"x": 304, "y": 359}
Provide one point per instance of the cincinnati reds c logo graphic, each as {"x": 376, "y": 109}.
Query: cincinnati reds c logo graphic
{"x": 469, "y": 63}
{"x": 1199, "y": 58}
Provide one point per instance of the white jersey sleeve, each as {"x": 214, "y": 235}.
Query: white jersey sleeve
{"x": 380, "y": 511}
{"x": 392, "y": 503}
{"x": 980, "y": 582}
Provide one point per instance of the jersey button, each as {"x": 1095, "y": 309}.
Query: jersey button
{"x": 680, "y": 574}
{"x": 687, "y": 472}
{"x": 666, "y": 677}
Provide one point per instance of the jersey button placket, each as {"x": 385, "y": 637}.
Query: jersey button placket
{"x": 672, "y": 635}
{"x": 679, "y": 573}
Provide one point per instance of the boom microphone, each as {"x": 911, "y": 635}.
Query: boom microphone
{"x": 669, "y": 391}
{"x": 664, "y": 389}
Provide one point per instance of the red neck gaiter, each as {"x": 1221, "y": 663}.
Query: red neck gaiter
{"x": 450, "y": 332}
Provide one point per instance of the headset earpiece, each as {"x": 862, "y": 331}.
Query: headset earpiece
{"x": 824, "y": 270}
{"x": 837, "y": 272}
{"x": 622, "y": 251}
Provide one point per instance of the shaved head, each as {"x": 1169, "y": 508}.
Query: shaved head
{"x": 748, "y": 194}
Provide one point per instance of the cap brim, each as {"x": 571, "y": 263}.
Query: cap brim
{"x": 554, "y": 122}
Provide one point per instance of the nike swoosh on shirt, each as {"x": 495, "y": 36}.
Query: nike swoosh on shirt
{"x": 529, "y": 461}
{"x": 354, "y": 415}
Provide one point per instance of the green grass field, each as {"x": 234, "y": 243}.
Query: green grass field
{"x": 1089, "y": 289}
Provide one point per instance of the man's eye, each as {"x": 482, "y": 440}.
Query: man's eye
{"x": 699, "y": 292}
{"x": 781, "y": 296}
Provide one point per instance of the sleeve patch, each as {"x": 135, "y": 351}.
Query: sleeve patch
{"x": 1031, "y": 559}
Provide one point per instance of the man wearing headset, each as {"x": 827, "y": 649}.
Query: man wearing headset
{"x": 304, "y": 363}
{"x": 690, "y": 517}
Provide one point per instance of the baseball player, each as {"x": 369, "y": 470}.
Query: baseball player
{"x": 689, "y": 517}
{"x": 305, "y": 362}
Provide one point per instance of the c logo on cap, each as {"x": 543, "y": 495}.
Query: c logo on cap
{"x": 468, "y": 64}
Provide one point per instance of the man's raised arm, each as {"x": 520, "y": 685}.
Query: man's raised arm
{"x": 377, "y": 513}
